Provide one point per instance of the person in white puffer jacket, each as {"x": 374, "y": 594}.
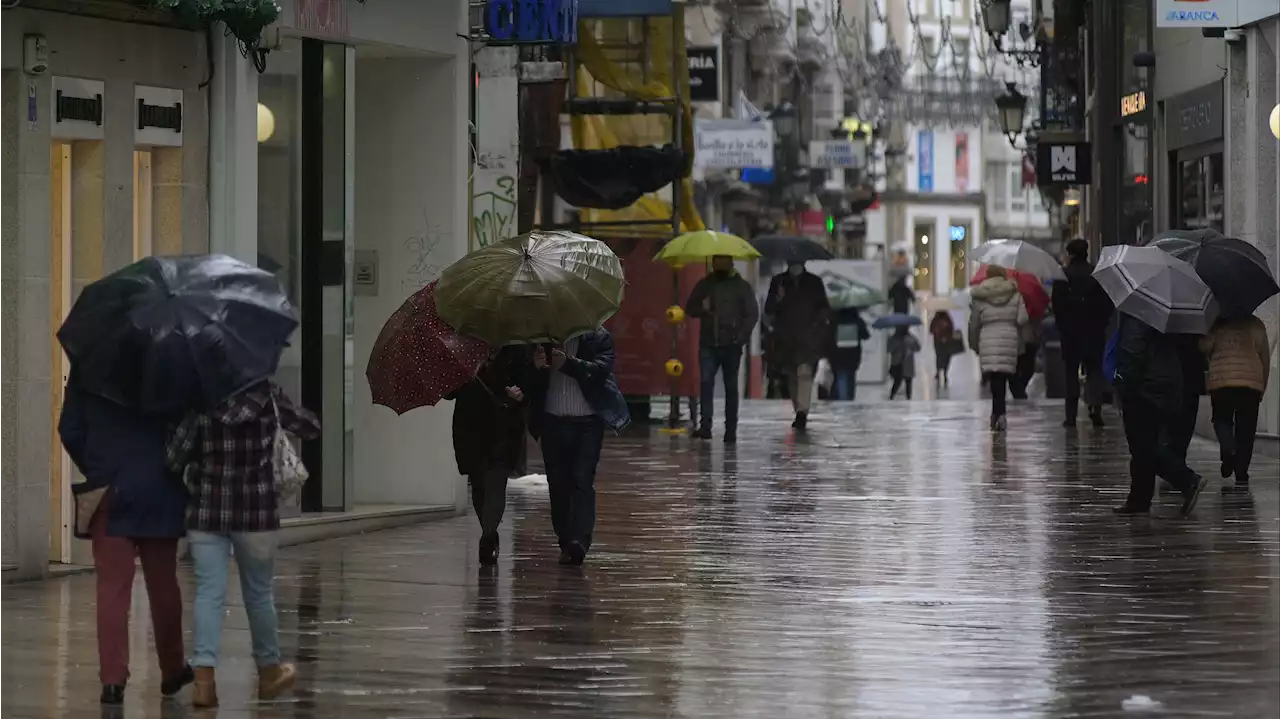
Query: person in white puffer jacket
{"x": 997, "y": 315}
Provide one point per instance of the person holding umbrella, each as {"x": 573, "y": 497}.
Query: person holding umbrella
{"x": 997, "y": 316}
{"x": 799, "y": 312}
{"x": 1082, "y": 311}
{"x": 902, "y": 348}
{"x": 725, "y": 305}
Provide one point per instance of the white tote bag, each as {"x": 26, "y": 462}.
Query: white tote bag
{"x": 825, "y": 376}
{"x": 288, "y": 472}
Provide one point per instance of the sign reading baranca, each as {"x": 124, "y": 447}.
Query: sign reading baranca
{"x": 553, "y": 22}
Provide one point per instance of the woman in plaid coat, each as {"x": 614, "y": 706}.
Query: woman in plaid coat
{"x": 226, "y": 455}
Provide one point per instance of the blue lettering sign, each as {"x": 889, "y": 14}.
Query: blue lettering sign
{"x": 532, "y": 21}
{"x": 1191, "y": 16}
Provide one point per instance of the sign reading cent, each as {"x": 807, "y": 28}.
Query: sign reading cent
{"x": 553, "y": 22}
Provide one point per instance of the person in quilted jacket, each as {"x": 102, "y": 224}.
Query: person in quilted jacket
{"x": 1238, "y": 353}
{"x": 997, "y": 316}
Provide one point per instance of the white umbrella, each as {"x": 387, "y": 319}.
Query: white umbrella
{"x": 1157, "y": 288}
{"x": 1020, "y": 256}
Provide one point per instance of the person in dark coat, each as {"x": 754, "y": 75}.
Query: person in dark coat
{"x": 573, "y": 396}
{"x": 799, "y": 313}
{"x": 943, "y": 330}
{"x": 725, "y": 306}
{"x": 1081, "y": 311}
{"x": 846, "y": 354}
{"x": 1150, "y": 382}
{"x": 488, "y": 430}
{"x": 901, "y": 295}
{"x": 133, "y": 509}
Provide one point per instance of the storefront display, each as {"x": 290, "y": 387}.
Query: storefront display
{"x": 1194, "y": 140}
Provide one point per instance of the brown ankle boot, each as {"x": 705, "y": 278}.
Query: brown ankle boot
{"x": 274, "y": 681}
{"x": 204, "y": 693}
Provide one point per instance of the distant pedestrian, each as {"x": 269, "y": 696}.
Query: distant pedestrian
{"x": 848, "y": 334}
{"x": 572, "y": 397}
{"x": 1081, "y": 310}
{"x": 943, "y": 331}
{"x": 226, "y": 454}
{"x": 901, "y": 295}
{"x": 997, "y": 316}
{"x": 1150, "y": 383}
{"x": 902, "y": 348}
{"x": 1239, "y": 367}
{"x": 799, "y": 313}
{"x": 139, "y": 517}
{"x": 488, "y": 434}
{"x": 725, "y": 305}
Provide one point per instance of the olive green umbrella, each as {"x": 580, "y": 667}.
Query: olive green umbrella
{"x": 542, "y": 286}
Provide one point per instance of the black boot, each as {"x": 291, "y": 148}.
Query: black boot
{"x": 173, "y": 685}
{"x": 489, "y": 550}
{"x": 730, "y": 435}
{"x": 1095, "y": 416}
{"x": 801, "y": 420}
{"x": 112, "y": 694}
{"x": 703, "y": 432}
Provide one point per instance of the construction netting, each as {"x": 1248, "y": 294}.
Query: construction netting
{"x": 633, "y": 57}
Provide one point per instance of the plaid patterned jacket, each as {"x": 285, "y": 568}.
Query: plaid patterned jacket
{"x": 225, "y": 455}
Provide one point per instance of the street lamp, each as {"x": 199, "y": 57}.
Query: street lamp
{"x": 1012, "y": 106}
{"x": 995, "y": 18}
{"x": 784, "y": 120}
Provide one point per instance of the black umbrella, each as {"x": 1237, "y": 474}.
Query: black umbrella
{"x": 1235, "y": 271}
{"x": 171, "y": 333}
{"x": 790, "y": 248}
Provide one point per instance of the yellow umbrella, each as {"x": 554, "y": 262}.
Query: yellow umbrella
{"x": 704, "y": 244}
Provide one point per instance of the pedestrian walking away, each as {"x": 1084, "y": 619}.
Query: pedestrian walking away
{"x": 849, "y": 331}
{"x": 572, "y": 397}
{"x": 1150, "y": 383}
{"x": 725, "y": 305}
{"x": 902, "y": 348}
{"x": 799, "y": 312}
{"x": 228, "y": 457}
{"x": 488, "y": 432}
{"x": 1238, "y": 353}
{"x": 943, "y": 331}
{"x": 133, "y": 509}
{"x": 997, "y": 316}
{"x": 1082, "y": 311}
{"x": 901, "y": 296}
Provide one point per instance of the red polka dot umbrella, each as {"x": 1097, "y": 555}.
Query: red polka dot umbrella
{"x": 419, "y": 358}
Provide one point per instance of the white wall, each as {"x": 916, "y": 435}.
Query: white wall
{"x": 411, "y": 178}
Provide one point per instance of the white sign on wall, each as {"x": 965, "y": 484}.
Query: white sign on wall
{"x": 733, "y": 143}
{"x": 1213, "y": 13}
{"x": 845, "y": 154}
{"x": 77, "y": 109}
{"x": 157, "y": 116}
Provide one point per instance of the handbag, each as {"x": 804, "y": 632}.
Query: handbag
{"x": 825, "y": 376}
{"x": 288, "y": 472}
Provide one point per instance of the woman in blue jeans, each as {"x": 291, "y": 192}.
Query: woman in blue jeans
{"x": 226, "y": 456}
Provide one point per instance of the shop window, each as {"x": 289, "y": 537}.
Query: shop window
{"x": 924, "y": 253}
{"x": 997, "y": 187}
{"x": 1199, "y": 199}
{"x": 958, "y": 235}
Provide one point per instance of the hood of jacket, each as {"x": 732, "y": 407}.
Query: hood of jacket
{"x": 995, "y": 290}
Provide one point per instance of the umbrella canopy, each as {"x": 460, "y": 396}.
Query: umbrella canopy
{"x": 1234, "y": 270}
{"x": 1021, "y": 256}
{"x": 704, "y": 244}
{"x": 1157, "y": 288}
{"x": 896, "y": 320}
{"x": 418, "y": 358}
{"x": 167, "y": 334}
{"x": 537, "y": 287}
{"x": 791, "y": 248}
{"x": 1034, "y": 295}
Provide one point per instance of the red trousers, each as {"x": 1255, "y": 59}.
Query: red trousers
{"x": 113, "y": 558}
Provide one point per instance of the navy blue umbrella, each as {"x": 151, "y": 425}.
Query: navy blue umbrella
{"x": 167, "y": 334}
{"x": 896, "y": 320}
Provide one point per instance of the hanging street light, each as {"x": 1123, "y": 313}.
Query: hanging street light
{"x": 784, "y": 120}
{"x": 1013, "y": 107}
{"x": 995, "y": 17}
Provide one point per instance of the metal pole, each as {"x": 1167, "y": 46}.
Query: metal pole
{"x": 677, "y": 130}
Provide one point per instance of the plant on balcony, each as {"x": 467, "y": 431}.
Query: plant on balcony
{"x": 243, "y": 19}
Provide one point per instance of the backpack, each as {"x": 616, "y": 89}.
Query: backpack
{"x": 1110, "y": 356}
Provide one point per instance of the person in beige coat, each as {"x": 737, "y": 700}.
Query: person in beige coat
{"x": 1239, "y": 363}
{"x": 997, "y": 317}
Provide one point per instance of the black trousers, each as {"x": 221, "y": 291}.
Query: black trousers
{"x": 1073, "y": 362}
{"x": 1021, "y": 377}
{"x": 489, "y": 497}
{"x": 725, "y": 360}
{"x": 1144, "y": 424}
{"x": 1180, "y": 429}
{"x": 998, "y": 382}
{"x": 570, "y": 452}
{"x": 1235, "y": 421}
{"x": 900, "y": 381}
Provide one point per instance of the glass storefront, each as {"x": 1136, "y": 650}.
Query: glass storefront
{"x": 1199, "y": 193}
{"x": 304, "y": 237}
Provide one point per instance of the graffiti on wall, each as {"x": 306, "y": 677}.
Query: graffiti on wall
{"x": 422, "y": 263}
{"x": 493, "y": 210}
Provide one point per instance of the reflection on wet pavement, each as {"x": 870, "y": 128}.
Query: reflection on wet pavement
{"x": 896, "y": 561}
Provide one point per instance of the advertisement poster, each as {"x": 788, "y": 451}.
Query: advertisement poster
{"x": 962, "y": 162}
{"x": 837, "y": 274}
{"x": 924, "y": 160}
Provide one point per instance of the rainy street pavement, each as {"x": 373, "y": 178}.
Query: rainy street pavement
{"x": 897, "y": 561}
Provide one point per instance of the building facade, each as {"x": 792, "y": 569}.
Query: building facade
{"x": 342, "y": 167}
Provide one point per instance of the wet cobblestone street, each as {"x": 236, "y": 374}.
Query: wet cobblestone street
{"x": 898, "y": 560}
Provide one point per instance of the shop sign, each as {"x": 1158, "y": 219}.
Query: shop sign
{"x": 1213, "y": 13}
{"x": 704, "y": 73}
{"x": 733, "y": 143}
{"x": 544, "y": 22}
{"x": 77, "y": 109}
{"x": 158, "y": 116}
{"x": 811, "y": 223}
{"x": 846, "y": 154}
{"x": 1194, "y": 117}
{"x": 924, "y": 160}
{"x": 1064, "y": 163}
{"x": 1133, "y": 103}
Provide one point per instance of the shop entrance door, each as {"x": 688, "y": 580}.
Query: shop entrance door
{"x": 61, "y": 474}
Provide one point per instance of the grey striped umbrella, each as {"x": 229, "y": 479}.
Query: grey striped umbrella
{"x": 1157, "y": 288}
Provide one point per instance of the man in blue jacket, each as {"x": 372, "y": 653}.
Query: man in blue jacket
{"x": 572, "y": 397}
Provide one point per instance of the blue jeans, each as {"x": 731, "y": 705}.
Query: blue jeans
{"x": 255, "y": 559}
{"x": 725, "y": 360}
{"x": 846, "y": 384}
{"x": 570, "y": 453}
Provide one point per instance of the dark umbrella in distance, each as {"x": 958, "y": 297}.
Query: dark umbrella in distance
{"x": 790, "y": 248}
{"x": 167, "y": 334}
{"x": 896, "y": 320}
{"x": 1235, "y": 271}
